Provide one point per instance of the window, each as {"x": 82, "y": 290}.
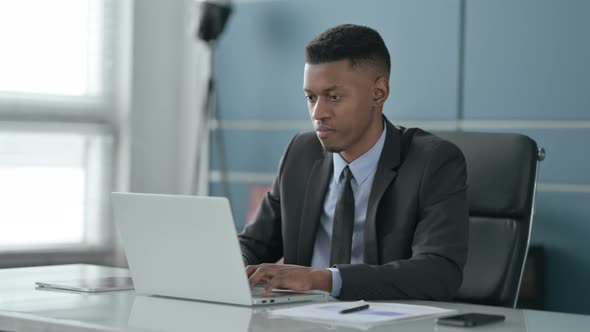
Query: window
{"x": 57, "y": 69}
{"x": 52, "y": 186}
{"x": 51, "y": 47}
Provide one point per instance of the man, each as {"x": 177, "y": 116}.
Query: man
{"x": 360, "y": 208}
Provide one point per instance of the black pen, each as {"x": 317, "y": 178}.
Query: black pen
{"x": 355, "y": 309}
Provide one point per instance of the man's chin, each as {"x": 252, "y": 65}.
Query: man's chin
{"x": 329, "y": 148}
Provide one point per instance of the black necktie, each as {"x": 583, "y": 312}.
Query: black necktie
{"x": 343, "y": 223}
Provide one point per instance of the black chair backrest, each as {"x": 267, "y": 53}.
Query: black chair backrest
{"x": 501, "y": 178}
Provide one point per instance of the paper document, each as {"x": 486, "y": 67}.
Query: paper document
{"x": 377, "y": 313}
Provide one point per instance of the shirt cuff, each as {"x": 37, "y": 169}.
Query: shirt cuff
{"x": 336, "y": 282}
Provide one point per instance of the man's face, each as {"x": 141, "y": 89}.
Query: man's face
{"x": 340, "y": 99}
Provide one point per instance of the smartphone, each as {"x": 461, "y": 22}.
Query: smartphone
{"x": 470, "y": 319}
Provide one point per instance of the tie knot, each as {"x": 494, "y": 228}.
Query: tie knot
{"x": 347, "y": 173}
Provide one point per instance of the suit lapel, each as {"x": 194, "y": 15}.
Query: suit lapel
{"x": 384, "y": 176}
{"x": 317, "y": 185}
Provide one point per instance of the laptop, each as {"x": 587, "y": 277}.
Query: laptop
{"x": 187, "y": 247}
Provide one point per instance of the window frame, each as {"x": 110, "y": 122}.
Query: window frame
{"x": 99, "y": 115}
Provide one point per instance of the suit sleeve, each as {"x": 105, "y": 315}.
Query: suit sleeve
{"x": 261, "y": 240}
{"x": 439, "y": 247}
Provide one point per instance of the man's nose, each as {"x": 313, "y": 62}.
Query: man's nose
{"x": 320, "y": 109}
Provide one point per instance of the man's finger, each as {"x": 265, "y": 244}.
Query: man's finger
{"x": 257, "y": 277}
{"x": 262, "y": 273}
{"x": 273, "y": 283}
{"x": 251, "y": 269}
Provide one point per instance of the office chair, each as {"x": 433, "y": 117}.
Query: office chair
{"x": 502, "y": 172}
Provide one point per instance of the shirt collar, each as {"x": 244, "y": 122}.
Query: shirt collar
{"x": 362, "y": 166}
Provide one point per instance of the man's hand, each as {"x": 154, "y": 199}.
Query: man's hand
{"x": 293, "y": 277}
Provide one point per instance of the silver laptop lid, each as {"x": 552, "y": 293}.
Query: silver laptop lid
{"x": 182, "y": 246}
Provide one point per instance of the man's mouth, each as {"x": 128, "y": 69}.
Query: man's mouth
{"x": 323, "y": 131}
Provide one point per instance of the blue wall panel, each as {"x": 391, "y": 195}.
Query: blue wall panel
{"x": 562, "y": 226}
{"x": 527, "y": 59}
{"x": 260, "y": 58}
{"x": 239, "y": 195}
{"x": 250, "y": 151}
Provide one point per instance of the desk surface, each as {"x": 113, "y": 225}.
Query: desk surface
{"x": 24, "y": 308}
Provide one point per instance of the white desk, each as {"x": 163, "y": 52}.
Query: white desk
{"x": 23, "y": 308}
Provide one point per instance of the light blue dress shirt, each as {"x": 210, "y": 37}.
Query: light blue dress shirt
{"x": 363, "y": 170}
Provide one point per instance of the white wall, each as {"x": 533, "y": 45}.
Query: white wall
{"x": 161, "y": 100}
{"x": 168, "y": 81}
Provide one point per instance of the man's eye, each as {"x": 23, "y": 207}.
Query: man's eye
{"x": 335, "y": 98}
{"x": 310, "y": 99}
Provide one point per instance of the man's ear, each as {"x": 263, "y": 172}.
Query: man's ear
{"x": 380, "y": 91}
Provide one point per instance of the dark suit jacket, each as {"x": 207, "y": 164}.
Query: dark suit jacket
{"x": 416, "y": 227}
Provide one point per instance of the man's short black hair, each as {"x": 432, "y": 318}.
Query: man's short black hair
{"x": 357, "y": 43}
